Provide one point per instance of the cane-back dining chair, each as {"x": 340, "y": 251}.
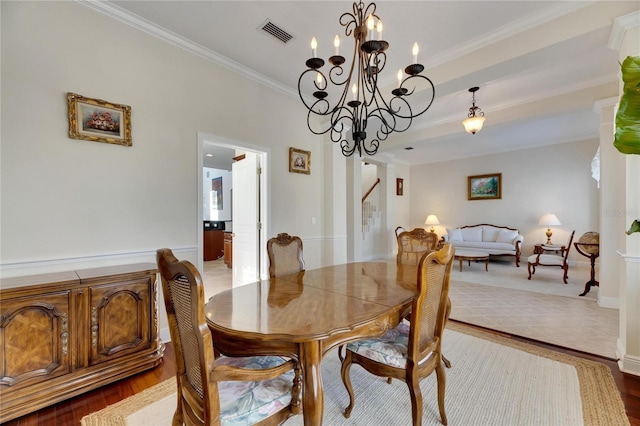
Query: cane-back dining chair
{"x": 264, "y": 390}
{"x": 413, "y": 244}
{"x": 285, "y": 255}
{"x": 557, "y": 260}
{"x": 411, "y": 351}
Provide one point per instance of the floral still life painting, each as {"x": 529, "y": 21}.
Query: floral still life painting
{"x": 99, "y": 121}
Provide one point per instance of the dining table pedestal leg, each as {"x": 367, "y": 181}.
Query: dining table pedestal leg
{"x": 312, "y": 392}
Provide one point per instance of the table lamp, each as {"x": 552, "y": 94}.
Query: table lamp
{"x": 549, "y": 220}
{"x": 432, "y": 219}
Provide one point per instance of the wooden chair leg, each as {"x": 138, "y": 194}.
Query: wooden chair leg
{"x": 446, "y": 362}
{"x": 529, "y": 267}
{"x": 416, "y": 400}
{"x": 296, "y": 391}
{"x": 340, "y": 354}
{"x": 442, "y": 382}
{"x": 344, "y": 372}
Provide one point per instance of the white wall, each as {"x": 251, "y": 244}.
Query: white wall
{"x": 554, "y": 179}
{"x": 92, "y": 202}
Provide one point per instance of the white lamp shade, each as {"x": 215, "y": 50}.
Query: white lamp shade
{"x": 432, "y": 219}
{"x": 549, "y": 220}
{"x": 473, "y": 124}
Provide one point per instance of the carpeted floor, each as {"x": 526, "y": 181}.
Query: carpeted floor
{"x": 493, "y": 381}
{"x": 542, "y": 308}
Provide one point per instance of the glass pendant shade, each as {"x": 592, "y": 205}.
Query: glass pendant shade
{"x": 473, "y": 124}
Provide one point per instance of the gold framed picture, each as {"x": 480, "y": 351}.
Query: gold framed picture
{"x": 98, "y": 121}
{"x": 485, "y": 187}
{"x": 299, "y": 161}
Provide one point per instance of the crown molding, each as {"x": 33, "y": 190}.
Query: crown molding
{"x": 174, "y": 39}
{"x": 531, "y": 21}
{"x": 620, "y": 27}
{"x": 517, "y": 101}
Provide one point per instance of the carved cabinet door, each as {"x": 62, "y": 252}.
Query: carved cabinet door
{"x": 34, "y": 339}
{"x": 120, "y": 319}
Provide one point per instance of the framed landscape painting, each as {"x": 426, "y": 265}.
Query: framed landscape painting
{"x": 99, "y": 121}
{"x": 485, "y": 187}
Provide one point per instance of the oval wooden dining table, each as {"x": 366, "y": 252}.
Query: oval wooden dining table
{"x": 307, "y": 314}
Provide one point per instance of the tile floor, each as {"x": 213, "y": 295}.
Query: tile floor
{"x": 503, "y": 299}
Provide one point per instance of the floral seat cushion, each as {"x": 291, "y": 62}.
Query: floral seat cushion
{"x": 390, "y": 349}
{"x": 246, "y": 403}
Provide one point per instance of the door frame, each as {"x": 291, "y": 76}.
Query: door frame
{"x": 263, "y": 200}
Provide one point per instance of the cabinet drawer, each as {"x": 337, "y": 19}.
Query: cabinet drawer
{"x": 43, "y": 319}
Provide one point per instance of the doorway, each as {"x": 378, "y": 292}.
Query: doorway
{"x": 244, "y": 269}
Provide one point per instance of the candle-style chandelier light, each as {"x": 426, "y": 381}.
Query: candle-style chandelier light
{"x": 367, "y": 107}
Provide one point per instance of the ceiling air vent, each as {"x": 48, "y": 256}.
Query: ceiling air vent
{"x": 275, "y": 31}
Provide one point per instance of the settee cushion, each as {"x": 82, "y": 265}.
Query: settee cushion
{"x": 472, "y": 234}
{"x": 454, "y": 234}
{"x": 491, "y": 247}
{"x": 506, "y": 236}
{"x": 490, "y": 234}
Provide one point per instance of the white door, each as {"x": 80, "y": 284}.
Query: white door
{"x": 246, "y": 213}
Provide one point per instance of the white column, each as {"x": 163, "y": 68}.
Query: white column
{"x": 625, "y": 37}
{"x": 612, "y": 195}
{"x": 353, "y": 184}
{"x": 335, "y": 205}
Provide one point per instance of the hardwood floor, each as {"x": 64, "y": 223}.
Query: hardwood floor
{"x": 70, "y": 412}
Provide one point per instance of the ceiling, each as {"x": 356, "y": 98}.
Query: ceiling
{"x": 540, "y": 65}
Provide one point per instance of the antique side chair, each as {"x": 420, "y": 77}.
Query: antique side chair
{"x": 558, "y": 260}
{"x": 411, "y": 351}
{"x": 264, "y": 390}
{"x": 285, "y": 255}
{"x": 413, "y": 244}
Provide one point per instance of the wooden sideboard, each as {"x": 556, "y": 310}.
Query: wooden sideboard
{"x": 63, "y": 334}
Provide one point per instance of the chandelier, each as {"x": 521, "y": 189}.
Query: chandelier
{"x": 366, "y": 107}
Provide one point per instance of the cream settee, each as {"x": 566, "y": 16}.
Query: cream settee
{"x": 492, "y": 239}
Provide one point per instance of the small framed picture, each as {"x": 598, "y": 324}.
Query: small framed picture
{"x": 485, "y": 187}
{"x": 98, "y": 121}
{"x": 299, "y": 161}
{"x": 399, "y": 186}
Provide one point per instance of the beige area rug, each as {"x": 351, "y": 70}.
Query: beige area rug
{"x": 493, "y": 381}
{"x": 546, "y": 280}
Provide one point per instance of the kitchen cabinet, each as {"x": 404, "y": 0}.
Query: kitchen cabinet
{"x": 213, "y": 244}
{"x": 63, "y": 334}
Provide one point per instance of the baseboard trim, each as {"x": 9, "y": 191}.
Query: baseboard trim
{"x": 627, "y": 363}
{"x": 608, "y": 302}
{"x": 165, "y": 335}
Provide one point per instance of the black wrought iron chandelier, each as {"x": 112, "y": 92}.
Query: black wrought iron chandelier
{"x": 367, "y": 106}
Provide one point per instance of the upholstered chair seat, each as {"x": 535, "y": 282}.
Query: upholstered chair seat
{"x": 390, "y": 349}
{"x": 546, "y": 259}
{"x": 250, "y": 402}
